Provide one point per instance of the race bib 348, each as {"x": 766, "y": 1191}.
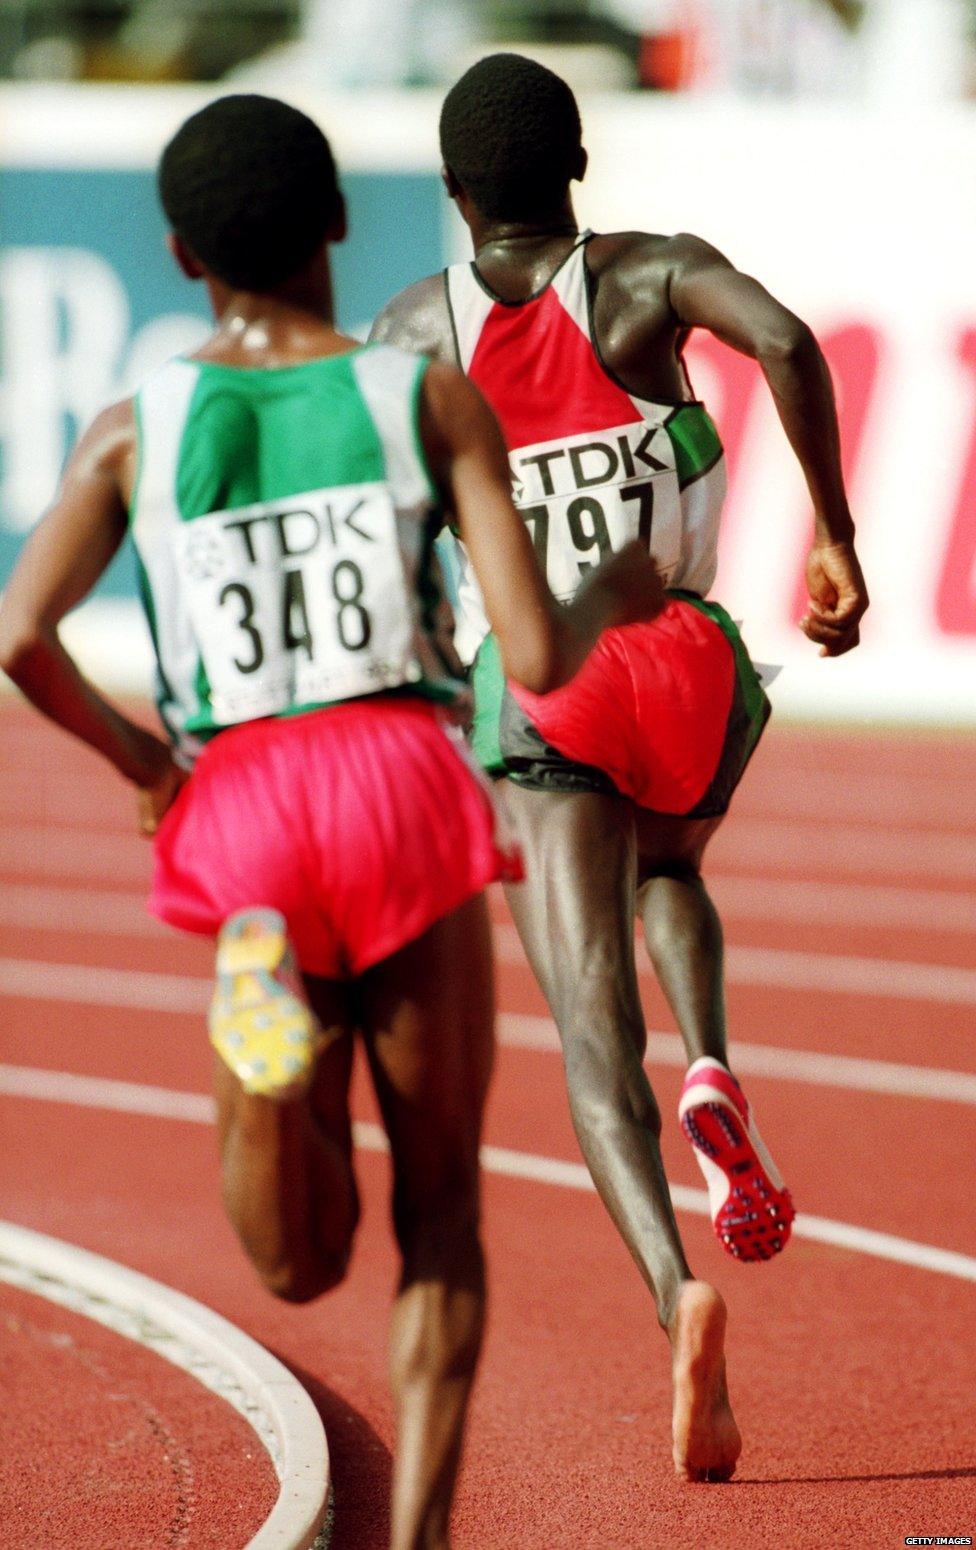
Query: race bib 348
{"x": 298, "y": 601}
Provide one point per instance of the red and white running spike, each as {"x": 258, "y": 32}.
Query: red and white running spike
{"x": 752, "y": 1211}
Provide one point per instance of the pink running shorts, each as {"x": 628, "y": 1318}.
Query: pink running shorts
{"x": 362, "y": 823}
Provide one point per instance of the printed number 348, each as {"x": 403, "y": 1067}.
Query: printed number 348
{"x": 353, "y": 623}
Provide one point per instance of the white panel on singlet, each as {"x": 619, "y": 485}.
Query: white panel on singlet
{"x": 389, "y": 380}
{"x": 162, "y": 406}
{"x": 470, "y": 306}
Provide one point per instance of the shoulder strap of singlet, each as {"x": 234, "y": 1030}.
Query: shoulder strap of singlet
{"x": 161, "y": 408}
{"x": 570, "y": 285}
{"x": 390, "y": 381}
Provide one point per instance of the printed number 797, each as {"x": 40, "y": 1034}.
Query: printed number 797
{"x": 586, "y": 521}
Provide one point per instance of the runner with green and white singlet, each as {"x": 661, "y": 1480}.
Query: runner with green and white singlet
{"x": 616, "y": 782}
{"x": 312, "y": 806}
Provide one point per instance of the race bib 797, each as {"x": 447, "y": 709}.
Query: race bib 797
{"x": 583, "y": 496}
{"x": 298, "y": 601}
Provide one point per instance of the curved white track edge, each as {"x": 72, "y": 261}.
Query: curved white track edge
{"x": 210, "y": 1349}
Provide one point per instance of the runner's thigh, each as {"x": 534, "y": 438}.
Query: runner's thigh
{"x": 575, "y": 909}
{"x": 428, "y": 1026}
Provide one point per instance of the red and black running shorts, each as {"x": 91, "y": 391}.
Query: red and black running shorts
{"x": 666, "y": 713}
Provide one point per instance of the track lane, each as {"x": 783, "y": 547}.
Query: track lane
{"x": 922, "y": 1193}
{"x": 592, "y": 1464}
{"x": 839, "y": 1447}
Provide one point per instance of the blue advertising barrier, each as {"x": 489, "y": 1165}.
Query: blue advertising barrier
{"x": 90, "y": 301}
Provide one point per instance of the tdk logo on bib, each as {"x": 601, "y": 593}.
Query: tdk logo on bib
{"x": 280, "y": 533}
{"x": 617, "y": 455}
{"x": 583, "y": 496}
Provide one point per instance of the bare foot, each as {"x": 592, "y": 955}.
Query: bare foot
{"x": 706, "y": 1438}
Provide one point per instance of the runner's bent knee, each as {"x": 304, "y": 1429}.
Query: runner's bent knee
{"x": 606, "y": 1080}
{"x": 442, "y": 1238}
{"x": 301, "y": 1284}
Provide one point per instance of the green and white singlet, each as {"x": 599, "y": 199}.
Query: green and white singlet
{"x": 284, "y": 521}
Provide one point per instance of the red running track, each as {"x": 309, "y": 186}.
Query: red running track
{"x": 848, "y": 860}
{"x": 101, "y": 1435}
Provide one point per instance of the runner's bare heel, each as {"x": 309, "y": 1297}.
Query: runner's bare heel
{"x": 752, "y": 1210}
{"x": 261, "y": 1025}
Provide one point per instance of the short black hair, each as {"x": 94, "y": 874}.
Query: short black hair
{"x": 250, "y": 186}
{"x": 511, "y": 135}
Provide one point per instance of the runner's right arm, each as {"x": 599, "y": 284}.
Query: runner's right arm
{"x": 59, "y": 564}
{"x": 542, "y": 643}
{"x": 706, "y": 291}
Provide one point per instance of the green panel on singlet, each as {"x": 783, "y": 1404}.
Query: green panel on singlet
{"x": 754, "y": 699}
{"x": 488, "y": 683}
{"x": 258, "y": 435}
{"x": 695, "y": 441}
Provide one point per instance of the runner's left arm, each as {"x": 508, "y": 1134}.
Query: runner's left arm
{"x": 64, "y": 557}
{"x": 706, "y": 291}
{"x": 418, "y": 320}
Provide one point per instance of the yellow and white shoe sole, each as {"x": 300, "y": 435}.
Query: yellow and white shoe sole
{"x": 261, "y": 1025}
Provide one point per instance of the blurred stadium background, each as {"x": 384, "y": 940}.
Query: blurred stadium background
{"x": 827, "y": 145}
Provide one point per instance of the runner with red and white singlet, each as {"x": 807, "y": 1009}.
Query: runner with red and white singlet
{"x": 594, "y": 467}
{"x": 616, "y": 782}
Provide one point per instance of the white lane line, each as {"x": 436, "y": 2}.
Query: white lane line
{"x": 62, "y": 1087}
{"x": 80, "y": 984}
{"x": 826, "y": 973}
{"x": 830, "y": 973}
{"x": 115, "y": 912}
{"x": 862, "y": 1240}
{"x": 789, "y": 1065}
{"x": 843, "y": 850}
{"x": 88, "y": 985}
{"x": 207, "y": 1347}
{"x": 100, "y": 1092}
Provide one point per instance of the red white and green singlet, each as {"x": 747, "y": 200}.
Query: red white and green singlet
{"x": 593, "y": 465}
